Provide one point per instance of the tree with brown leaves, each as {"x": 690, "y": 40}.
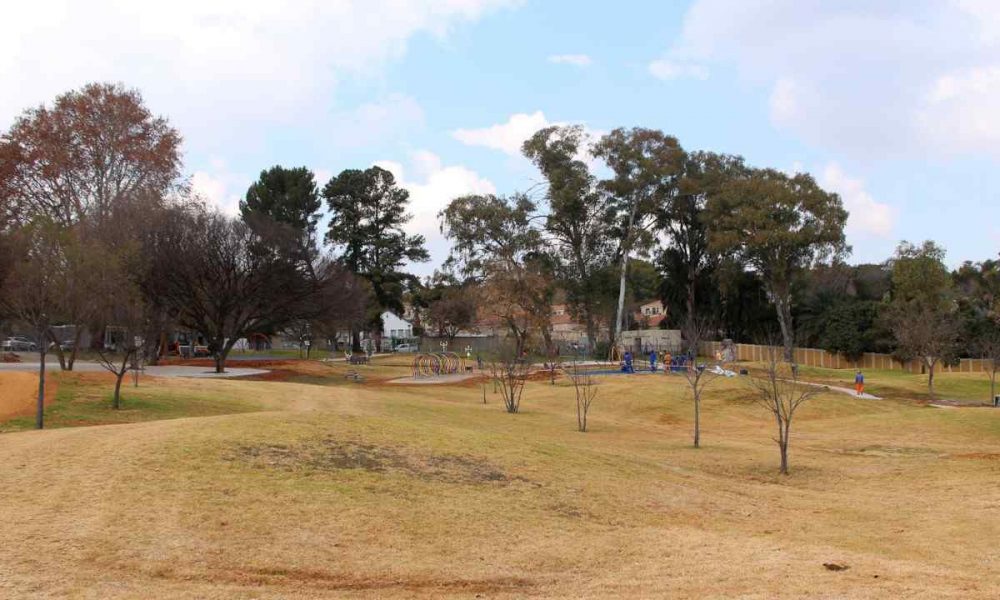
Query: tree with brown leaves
{"x": 91, "y": 150}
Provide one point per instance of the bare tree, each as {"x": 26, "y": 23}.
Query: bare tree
{"x": 129, "y": 329}
{"x": 227, "y": 280}
{"x": 32, "y": 288}
{"x": 926, "y": 335}
{"x": 779, "y": 391}
{"x": 509, "y": 371}
{"x": 698, "y": 378}
{"x": 989, "y": 348}
{"x": 586, "y": 392}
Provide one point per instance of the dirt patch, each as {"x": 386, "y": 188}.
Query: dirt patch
{"x": 326, "y": 580}
{"x": 892, "y": 451}
{"x": 978, "y": 456}
{"x": 19, "y": 394}
{"x": 331, "y": 455}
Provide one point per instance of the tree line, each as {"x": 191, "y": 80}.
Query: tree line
{"x": 740, "y": 251}
{"x": 101, "y": 231}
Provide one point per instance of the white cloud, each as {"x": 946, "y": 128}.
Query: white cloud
{"x": 868, "y": 217}
{"x": 214, "y": 65}
{"x": 960, "y": 112}
{"x": 506, "y": 137}
{"x": 871, "y": 79}
{"x": 434, "y": 186}
{"x": 510, "y": 136}
{"x": 577, "y": 60}
{"x": 666, "y": 69}
{"x": 220, "y": 186}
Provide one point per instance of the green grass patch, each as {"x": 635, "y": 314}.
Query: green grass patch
{"x": 81, "y": 402}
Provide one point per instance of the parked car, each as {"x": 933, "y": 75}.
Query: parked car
{"x": 405, "y": 348}
{"x": 19, "y": 344}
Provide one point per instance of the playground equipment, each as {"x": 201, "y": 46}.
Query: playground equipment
{"x": 437, "y": 363}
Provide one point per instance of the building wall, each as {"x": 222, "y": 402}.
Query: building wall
{"x": 668, "y": 340}
{"x": 395, "y": 327}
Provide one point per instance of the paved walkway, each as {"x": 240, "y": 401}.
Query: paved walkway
{"x": 434, "y": 379}
{"x": 155, "y": 371}
{"x": 842, "y": 390}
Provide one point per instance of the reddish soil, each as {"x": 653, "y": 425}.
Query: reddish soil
{"x": 19, "y": 393}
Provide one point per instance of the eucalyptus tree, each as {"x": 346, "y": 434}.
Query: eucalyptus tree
{"x": 646, "y": 165}
{"x": 777, "y": 225}
{"x": 495, "y": 243}
{"x": 688, "y": 258}
{"x": 577, "y": 219}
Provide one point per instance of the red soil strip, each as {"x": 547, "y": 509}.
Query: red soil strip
{"x": 19, "y": 394}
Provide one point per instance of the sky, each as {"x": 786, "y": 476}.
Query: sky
{"x": 891, "y": 103}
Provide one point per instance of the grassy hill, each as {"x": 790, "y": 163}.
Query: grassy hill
{"x": 341, "y": 489}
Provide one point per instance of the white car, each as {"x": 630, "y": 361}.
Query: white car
{"x": 19, "y": 344}
{"x": 405, "y": 348}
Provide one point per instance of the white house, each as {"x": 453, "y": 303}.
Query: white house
{"x": 395, "y": 327}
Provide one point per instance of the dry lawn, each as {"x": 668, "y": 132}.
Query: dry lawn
{"x": 334, "y": 489}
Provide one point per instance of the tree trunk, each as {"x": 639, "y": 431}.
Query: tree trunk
{"x": 588, "y": 319}
{"x": 697, "y": 421}
{"x": 930, "y": 376}
{"x": 116, "y": 401}
{"x": 221, "y": 354}
{"x": 783, "y": 444}
{"x": 626, "y": 249}
{"x": 619, "y": 316}
{"x": 993, "y": 385}
{"x": 71, "y": 360}
{"x": 784, "y": 457}
{"x": 783, "y": 305}
{"x": 40, "y": 410}
{"x": 59, "y": 352}
{"x": 689, "y": 302}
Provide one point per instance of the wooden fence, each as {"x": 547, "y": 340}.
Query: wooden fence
{"x": 814, "y": 357}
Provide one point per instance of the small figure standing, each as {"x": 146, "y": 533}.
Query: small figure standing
{"x": 859, "y": 383}
{"x": 652, "y": 361}
{"x": 627, "y": 362}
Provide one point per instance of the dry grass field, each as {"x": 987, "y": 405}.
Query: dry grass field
{"x": 309, "y": 485}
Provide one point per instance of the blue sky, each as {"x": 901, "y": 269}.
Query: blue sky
{"x": 891, "y": 104}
